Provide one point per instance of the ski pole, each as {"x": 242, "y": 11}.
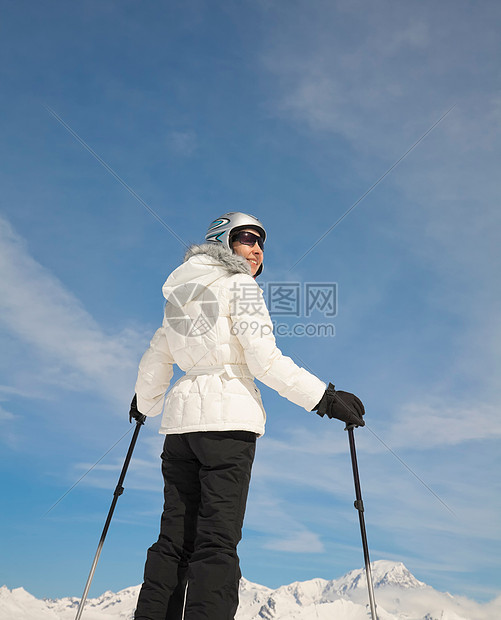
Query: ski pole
{"x": 359, "y": 505}
{"x": 116, "y": 494}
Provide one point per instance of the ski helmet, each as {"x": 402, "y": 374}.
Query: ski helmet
{"x": 223, "y": 228}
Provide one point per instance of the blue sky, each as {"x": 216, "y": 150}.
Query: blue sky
{"x": 291, "y": 111}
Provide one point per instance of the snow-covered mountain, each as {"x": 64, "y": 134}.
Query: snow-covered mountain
{"x": 399, "y": 596}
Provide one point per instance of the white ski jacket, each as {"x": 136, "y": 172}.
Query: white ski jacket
{"x": 217, "y": 329}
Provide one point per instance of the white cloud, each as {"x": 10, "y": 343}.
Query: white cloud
{"x": 142, "y": 475}
{"x": 298, "y": 542}
{"x": 436, "y": 424}
{"x": 6, "y": 416}
{"x": 9, "y": 434}
{"x": 350, "y": 85}
{"x": 10, "y": 391}
{"x": 271, "y": 516}
{"x": 374, "y": 92}
{"x": 38, "y": 310}
{"x": 395, "y": 499}
{"x": 183, "y": 143}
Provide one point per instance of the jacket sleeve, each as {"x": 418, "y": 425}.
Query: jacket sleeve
{"x": 251, "y": 324}
{"x": 155, "y": 373}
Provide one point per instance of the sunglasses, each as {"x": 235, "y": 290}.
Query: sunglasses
{"x": 248, "y": 238}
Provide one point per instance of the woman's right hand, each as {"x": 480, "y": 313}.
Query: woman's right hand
{"x": 343, "y": 406}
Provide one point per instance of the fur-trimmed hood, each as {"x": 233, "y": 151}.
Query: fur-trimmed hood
{"x": 231, "y": 262}
{"x": 205, "y": 264}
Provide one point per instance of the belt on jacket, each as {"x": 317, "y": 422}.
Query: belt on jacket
{"x": 233, "y": 371}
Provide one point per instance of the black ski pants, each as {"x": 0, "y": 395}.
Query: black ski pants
{"x": 194, "y": 564}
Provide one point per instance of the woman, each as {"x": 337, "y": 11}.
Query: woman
{"x": 218, "y": 330}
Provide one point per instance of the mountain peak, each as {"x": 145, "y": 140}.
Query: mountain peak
{"x": 398, "y": 594}
{"x": 384, "y": 573}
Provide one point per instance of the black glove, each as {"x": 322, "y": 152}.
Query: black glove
{"x": 134, "y": 413}
{"x": 341, "y": 405}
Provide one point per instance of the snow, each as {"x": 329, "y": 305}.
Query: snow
{"x": 399, "y": 596}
